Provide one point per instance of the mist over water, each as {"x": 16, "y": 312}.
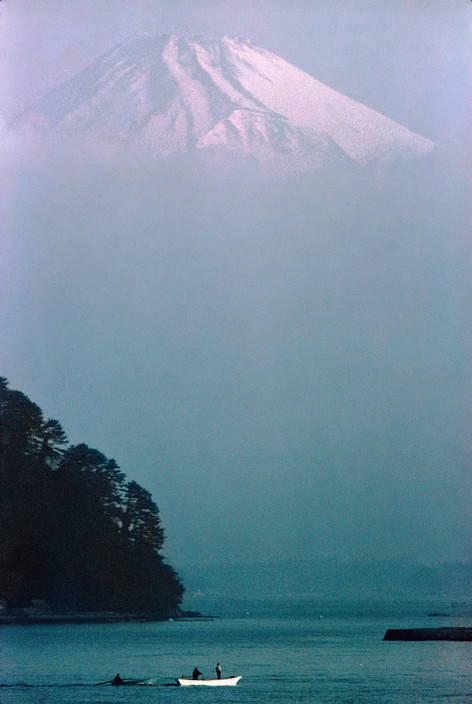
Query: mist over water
{"x": 282, "y": 362}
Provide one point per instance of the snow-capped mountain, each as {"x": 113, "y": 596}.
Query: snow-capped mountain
{"x": 168, "y": 94}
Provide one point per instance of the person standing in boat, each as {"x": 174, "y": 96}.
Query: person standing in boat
{"x": 218, "y": 670}
{"x": 196, "y": 674}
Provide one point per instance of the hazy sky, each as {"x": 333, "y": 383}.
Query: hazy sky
{"x": 284, "y": 365}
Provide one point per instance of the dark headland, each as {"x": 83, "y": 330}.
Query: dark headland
{"x": 78, "y": 542}
{"x": 419, "y": 634}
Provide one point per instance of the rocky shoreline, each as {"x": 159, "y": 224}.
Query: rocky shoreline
{"x": 35, "y": 615}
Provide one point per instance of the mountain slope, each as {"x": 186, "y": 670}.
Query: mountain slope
{"x": 167, "y": 94}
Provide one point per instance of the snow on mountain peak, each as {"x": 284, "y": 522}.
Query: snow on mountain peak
{"x": 170, "y": 94}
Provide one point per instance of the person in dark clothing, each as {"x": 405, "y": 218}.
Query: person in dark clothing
{"x": 218, "y": 670}
{"x": 117, "y": 679}
{"x": 196, "y": 674}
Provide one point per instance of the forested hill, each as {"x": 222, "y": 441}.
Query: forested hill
{"x": 73, "y": 531}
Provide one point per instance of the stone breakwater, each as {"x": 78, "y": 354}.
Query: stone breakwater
{"x": 417, "y": 634}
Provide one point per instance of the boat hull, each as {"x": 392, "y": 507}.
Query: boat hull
{"x": 226, "y": 682}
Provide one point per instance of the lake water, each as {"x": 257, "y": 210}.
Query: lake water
{"x": 304, "y": 651}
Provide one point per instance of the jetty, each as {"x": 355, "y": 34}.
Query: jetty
{"x": 419, "y": 634}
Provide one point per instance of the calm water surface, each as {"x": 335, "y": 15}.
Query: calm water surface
{"x": 290, "y": 652}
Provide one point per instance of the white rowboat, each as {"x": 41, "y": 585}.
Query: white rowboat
{"x": 226, "y": 682}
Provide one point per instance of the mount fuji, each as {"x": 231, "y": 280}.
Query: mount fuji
{"x": 168, "y": 94}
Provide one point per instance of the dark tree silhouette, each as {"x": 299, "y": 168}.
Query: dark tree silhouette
{"x": 72, "y": 530}
{"x": 53, "y": 438}
{"x": 141, "y": 522}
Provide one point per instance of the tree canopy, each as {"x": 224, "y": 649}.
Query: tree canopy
{"x": 73, "y": 531}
